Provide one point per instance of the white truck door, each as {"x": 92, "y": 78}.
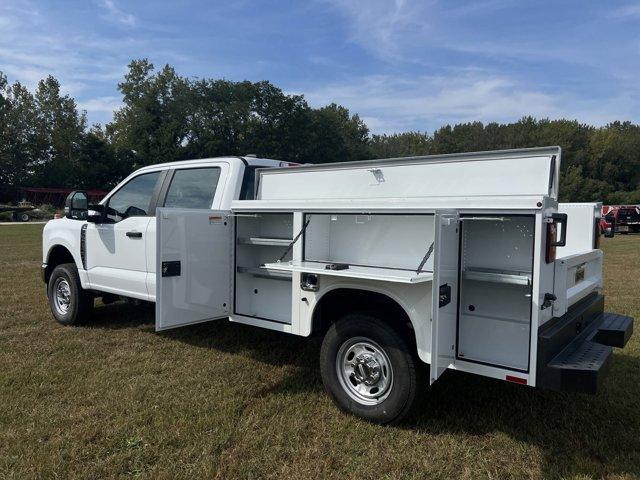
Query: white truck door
{"x": 194, "y": 266}
{"x": 445, "y": 292}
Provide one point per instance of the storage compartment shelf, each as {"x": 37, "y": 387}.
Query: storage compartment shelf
{"x": 370, "y": 273}
{"x": 266, "y": 272}
{"x": 265, "y": 241}
{"x": 497, "y": 276}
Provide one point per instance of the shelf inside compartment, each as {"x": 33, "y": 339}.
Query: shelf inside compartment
{"x": 265, "y": 272}
{"x": 264, "y": 241}
{"x": 370, "y": 273}
{"x": 510, "y": 277}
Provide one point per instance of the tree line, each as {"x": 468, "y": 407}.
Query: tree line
{"x": 45, "y": 139}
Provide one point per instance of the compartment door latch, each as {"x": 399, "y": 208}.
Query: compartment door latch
{"x": 171, "y": 269}
{"x": 444, "y": 295}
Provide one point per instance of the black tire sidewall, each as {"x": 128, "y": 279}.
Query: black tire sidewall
{"x": 78, "y": 302}
{"x": 403, "y": 390}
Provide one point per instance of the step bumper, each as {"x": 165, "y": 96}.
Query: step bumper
{"x": 575, "y": 352}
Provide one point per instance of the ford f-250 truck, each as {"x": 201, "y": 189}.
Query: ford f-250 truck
{"x": 460, "y": 262}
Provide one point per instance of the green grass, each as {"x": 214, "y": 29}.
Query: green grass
{"x": 114, "y": 399}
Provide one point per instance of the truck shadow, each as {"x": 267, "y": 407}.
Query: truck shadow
{"x": 577, "y": 435}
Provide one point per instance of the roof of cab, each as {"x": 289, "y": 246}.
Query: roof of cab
{"x": 245, "y": 160}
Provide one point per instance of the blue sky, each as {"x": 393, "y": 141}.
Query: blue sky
{"x": 402, "y": 65}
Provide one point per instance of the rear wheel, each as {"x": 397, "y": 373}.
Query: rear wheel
{"x": 367, "y": 369}
{"x": 69, "y": 303}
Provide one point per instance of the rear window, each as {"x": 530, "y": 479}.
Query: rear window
{"x": 193, "y": 188}
{"x": 628, "y": 214}
{"x": 247, "y": 191}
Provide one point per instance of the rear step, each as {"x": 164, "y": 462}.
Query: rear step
{"x": 582, "y": 369}
{"x": 615, "y": 330}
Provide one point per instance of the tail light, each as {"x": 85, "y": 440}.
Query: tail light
{"x": 552, "y": 235}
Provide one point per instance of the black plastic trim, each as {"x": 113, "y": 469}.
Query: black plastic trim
{"x": 156, "y": 192}
{"x": 83, "y": 246}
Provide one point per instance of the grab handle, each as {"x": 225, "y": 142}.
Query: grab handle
{"x": 560, "y": 218}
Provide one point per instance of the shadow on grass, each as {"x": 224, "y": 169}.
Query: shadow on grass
{"x": 577, "y": 434}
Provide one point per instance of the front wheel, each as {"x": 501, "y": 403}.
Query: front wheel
{"x": 69, "y": 303}
{"x": 367, "y": 369}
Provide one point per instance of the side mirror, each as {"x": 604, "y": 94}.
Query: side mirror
{"x": 95, "y": 213}
{"x": 76, "y": 206}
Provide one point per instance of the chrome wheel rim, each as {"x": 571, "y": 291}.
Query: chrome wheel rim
{"x": 364, "y": 371}
{"x": 62, "y": 296}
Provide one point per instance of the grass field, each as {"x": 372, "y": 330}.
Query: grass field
{"x": 114, "y": 399}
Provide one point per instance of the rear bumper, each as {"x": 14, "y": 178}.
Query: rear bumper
{"x": 575, "y": 350}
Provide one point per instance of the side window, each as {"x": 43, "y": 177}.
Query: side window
{"x": 193, "y": 188}
{"x": 248, "y": 183}
{"x": 133, "y": 199}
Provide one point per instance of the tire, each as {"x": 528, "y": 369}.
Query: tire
{"x": 69, "y": 303}
{"x": 368, "y": 370}
{"x": 24, "y": 217}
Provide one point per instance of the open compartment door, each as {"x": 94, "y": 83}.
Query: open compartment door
{"x": 445, "y": 292}
{"x": 194, "y": 266}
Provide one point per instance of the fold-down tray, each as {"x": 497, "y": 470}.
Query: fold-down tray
{"x": 370, "y": 273}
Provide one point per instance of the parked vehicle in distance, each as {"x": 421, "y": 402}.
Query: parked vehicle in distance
{"x": 18, "y": 212}
{"x": 622, "y": 218}
{"x": 460, "y": 262}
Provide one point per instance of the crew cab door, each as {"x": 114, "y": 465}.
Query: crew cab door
{"x": 194, "y": 276}
{"x": 445, "y": 292}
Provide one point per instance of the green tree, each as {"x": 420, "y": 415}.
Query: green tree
{"x": 406, "y": 144}
{"x": 153, "y": 121}
{"x": 337, "y": 136}
{"x": 59, "y": 129}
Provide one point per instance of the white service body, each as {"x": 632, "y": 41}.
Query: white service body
{"x": 459, "y": 244}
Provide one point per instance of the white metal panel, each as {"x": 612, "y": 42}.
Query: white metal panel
{"x": 576, "y": 276}
{"x": 445, "y": 274}
{"x": 391, "y": 241}
{"x": 392, "y": 205}
{"x": 117, "y": 262}
{"x": 201, "y": 240}
{"x": 508, "y": 173}
{"x": 580, "y": 227}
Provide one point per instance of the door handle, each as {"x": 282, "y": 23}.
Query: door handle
{"x": 134, "y": 234}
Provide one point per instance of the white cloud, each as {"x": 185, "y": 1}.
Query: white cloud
{"x": 383, "y": 26}
{"x": 100, "y": 109}
{"x": 116, "y": 14}
{"x": 631, "y": 10}
{"x": 391, "y": 104}
{"x": 86, "y": 64}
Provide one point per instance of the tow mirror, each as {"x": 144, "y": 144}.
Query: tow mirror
{"x": 95, "y": 213}
{"x": 76, "y": 206}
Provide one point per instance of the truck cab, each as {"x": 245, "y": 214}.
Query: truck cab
{"x": 114, "y": 246}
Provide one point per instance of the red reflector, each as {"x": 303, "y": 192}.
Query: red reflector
{"x": 521, "y": 381}
{"x": 550, "y": 255}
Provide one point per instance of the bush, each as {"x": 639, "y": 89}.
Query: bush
{"x": 43, "y": 212}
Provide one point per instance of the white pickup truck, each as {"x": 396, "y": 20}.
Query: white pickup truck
{"x": 459, "y": 262}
